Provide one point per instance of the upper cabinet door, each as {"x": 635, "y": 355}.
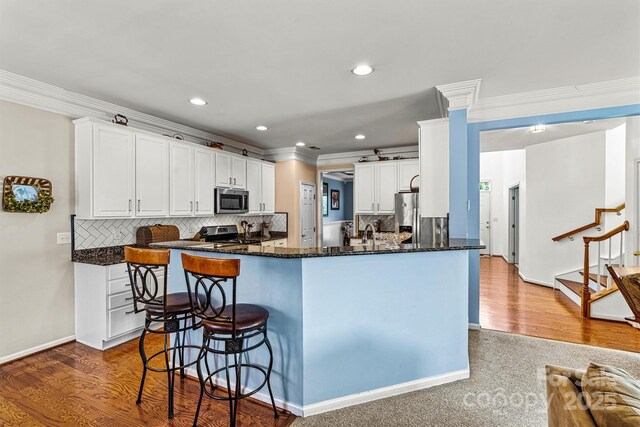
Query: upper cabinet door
{"x": 223, "y": 170}
{"x": 254, "y": 186}
{"x": 113, "y": 172}
{"x": 406, "y": 171}
{"x": 364, "y": 191}
{"x": 387, "y": 187}
{"x": 268, "y": 188}
{"x": 239, "y": 175}
{"x": 152, "y": 176}
{"x": 181, "y": 180}
{"x": 204, "y": 177}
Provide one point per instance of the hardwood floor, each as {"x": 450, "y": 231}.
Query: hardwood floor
{"x": 508, "y": 304}
{"x": 75, "y": 385}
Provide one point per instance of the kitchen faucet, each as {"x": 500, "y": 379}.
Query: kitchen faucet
{"x": 364, "y": 236}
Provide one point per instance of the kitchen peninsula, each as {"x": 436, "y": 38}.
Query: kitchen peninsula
{"x": 352, "y": 324}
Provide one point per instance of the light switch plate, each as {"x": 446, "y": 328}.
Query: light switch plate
{"x": 117, "y": 234}
{"x": 63, "y": 238}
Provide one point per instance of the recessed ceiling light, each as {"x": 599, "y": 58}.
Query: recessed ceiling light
{"x": 261, "y": 127}
{"x": 360, "y": 136}
{"x": 362, "y": 70}
{"x": 198, "y": 101}
{"x": 300, "y": 144}
{"x": 537, "y": 129}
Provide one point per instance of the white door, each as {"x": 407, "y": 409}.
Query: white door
{"x": 223, "y": 170}
{"x": 152, "y": 176}
{"x": 485, "y": 221}
{"x": 203, "y": 181}
{"x": 387, "y": 187}
{"x": 181, "y": 180}
{"x": 307, "y": 216}
{"x": 113, "y": 172}
{"x": 364, "y": 184}
{"x": 254, "y": 186}
{"x": 406, "y": 171}
{"x": 268, "y": 188}
{"x": 239, "y": 173}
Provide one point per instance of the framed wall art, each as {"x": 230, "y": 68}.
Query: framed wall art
{"x": 26, "y": 194}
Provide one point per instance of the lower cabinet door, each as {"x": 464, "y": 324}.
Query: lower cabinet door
{"x": 123, "y": 320}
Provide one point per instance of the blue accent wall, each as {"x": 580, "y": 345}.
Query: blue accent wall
{"x": 458, "y": 127}
{"x": 345, "y": 213}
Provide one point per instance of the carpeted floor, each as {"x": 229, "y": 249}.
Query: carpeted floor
{"x": 506, "y": 387}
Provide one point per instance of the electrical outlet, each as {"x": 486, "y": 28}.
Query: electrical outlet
{"x": 63, "y": 238}
{"x": 117, "y": 234}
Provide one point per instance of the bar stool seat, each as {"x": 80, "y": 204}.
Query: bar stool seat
{"x": 177, "y": 303}
{"x": 249, "y": 317}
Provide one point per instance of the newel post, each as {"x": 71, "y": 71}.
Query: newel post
{"x": 586, "y": 294}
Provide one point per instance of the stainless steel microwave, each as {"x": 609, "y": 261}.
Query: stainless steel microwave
{"x": 231, "y": 201}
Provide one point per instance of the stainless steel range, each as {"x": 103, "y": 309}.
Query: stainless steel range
{"x": 225, "y": 235}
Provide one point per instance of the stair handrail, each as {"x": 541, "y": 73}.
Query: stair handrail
{"x": 595, "y": 223}
{"x": 586, "y": 293}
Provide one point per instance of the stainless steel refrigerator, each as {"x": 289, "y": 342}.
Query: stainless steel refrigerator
{"x": 408, "y": 215}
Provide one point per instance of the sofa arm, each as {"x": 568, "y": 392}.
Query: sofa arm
{"x": 565, "y": 407}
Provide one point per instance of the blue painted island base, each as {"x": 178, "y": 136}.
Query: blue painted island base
{"x": 346, "y": 330}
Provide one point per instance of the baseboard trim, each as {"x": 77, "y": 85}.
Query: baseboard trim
{"x": 384, "y": 392}
{"x": 534, "y": 282}
{"x": 36, "y": 349}
{"x": 505, "y": 259}
{"x": 354, "y": 399}
{"x": 474, "y": 326}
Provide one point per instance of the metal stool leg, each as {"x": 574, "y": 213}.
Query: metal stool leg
{"x": 143, "y": 356}
{"x": 273, "y": 402}
{"x": 170, "y": 374}
{"x": 201, "y": 380}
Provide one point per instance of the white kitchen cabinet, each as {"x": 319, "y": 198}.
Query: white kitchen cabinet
{"x": 364, "y": 188}
{"x": 105, "y": 171}
{"x": 104, "y": 310}
{"x": 181, "y": 178}
{"x": 261, "y": 183}
{"x": 386, "y": 187}
{"x": 231, "y": 171}
{"x": 407, "y": 169}
{"x": 239, "y": 173}
{"x": 204, "y": 181}
{"x": 152, "y": 176}
{"x": 375, "y": 186}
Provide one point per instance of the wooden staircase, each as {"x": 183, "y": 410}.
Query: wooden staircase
{"x": 595, "y": 288}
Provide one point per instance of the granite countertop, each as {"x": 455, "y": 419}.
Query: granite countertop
{"x": 276, "y": 252}
{"x": 115, "y": 254}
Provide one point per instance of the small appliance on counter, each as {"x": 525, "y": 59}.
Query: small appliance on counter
{"x": 229, "y": 201}
{"x": 265, "y": 229}
{"x": 408, "y": 215}
{"x": 434, "y": 230}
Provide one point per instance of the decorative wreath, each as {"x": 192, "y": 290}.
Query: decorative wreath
{"x": 40, "y": 205}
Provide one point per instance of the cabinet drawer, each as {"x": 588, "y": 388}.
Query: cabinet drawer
{"x": 120, "y": 300}
{"x": 122, "y": 285}
{"x": 268, "y": 244}
{"x": 123, "y": 320}
{"x": 117, "y": 271}
{"x": 281, "y": 243}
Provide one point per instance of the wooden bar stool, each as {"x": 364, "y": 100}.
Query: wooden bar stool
{"x": 228, "y": 328}
{"x": 173, "y": 311}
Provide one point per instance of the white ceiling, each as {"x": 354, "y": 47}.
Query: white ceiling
{"x": 519, "y": 138}
{"x": 285, "y": 63}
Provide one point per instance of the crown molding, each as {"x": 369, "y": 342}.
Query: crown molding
{"x": 458, "y": 96}
{"x": 557, "y": 100}
{"x": 36, "y": 94}
{"x": 291, "y": 153}
{"x": 354, "y": 156}
{"x": 433, "y": 122}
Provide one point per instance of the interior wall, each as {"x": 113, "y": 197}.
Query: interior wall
{"x": 36, "y": 274}
{"x": 289, "y": 175}
{"x": 565, "y": 182}
{"x": 345, "y": 211}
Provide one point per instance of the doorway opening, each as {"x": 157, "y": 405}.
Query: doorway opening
{"x": 514, "y": 225}
{"x": 485, "y": 217}
{"x": 335, "y": 216}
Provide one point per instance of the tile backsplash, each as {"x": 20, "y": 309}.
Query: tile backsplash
{"x": 100, "y": 233}
{"x": 388, "y": 221}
